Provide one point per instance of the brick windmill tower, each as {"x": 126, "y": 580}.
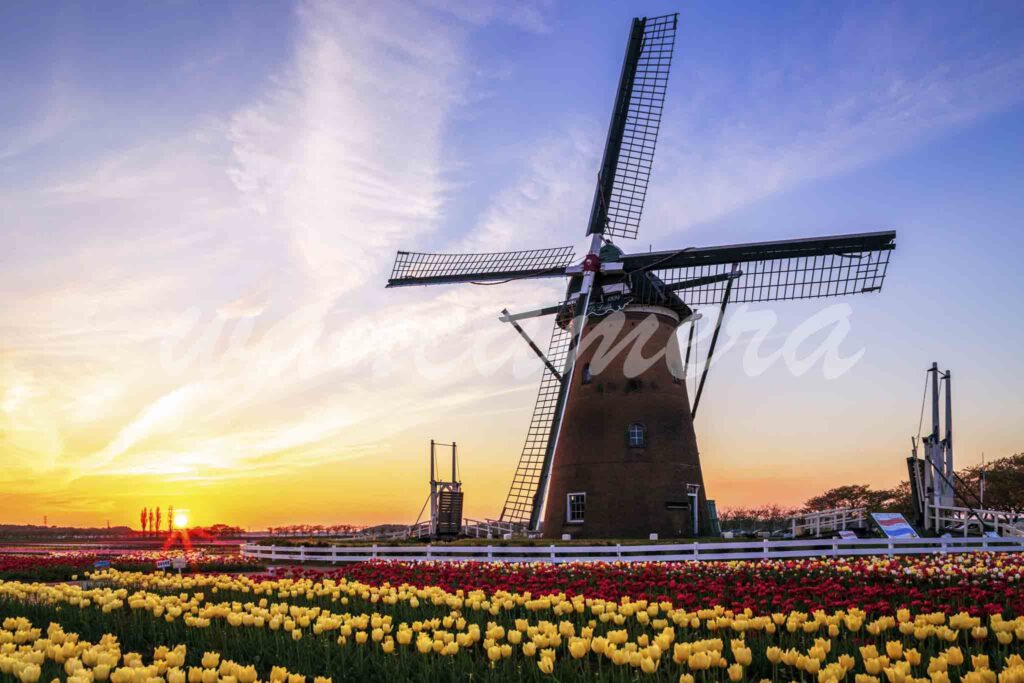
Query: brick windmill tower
{"x": 611, "y": 449}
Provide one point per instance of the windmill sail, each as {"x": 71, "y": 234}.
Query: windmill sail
{"x": 522, "y": 495}
{"x": 633, "y": 132}
{"x": 416, "y": 268}
{"x": 773, "y": 271}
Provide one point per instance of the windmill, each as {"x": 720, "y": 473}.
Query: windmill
{"x": 611, "y": 450}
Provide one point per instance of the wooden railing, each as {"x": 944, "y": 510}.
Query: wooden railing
{"x": 828, "y": 521}
{"x": 966, "y": 520}
{"x": 676, "y": 552}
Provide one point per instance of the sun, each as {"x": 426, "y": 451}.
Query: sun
{"x": 180, "y": 520}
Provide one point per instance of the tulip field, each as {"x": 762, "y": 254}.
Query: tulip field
{"x": 891, "y": 620}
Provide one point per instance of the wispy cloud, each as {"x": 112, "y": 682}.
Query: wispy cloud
{"x": 240, "y": 266}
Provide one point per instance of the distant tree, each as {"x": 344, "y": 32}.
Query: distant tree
{"x": 170, "y": 519}
{"x": 849, "y": 496}
{"x": 900, "y": 499}
{"x": 1004, "y": 482}
{"x": 156, "y": 527}
{"x": 152, "y": 522}
{"x": 143, "y": 518}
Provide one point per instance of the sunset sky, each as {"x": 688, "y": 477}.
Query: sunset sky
{"x": 200, "y": 204}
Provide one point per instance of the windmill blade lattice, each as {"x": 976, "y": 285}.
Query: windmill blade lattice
{"x": 775, "y": 271}
{"x": 522, "y": 494}
{"x": 633, "y": 133}
{"x": 812, "y": 277}
{"x": 416, "y": 268}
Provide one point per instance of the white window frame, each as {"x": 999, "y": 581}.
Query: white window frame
{"x": 568, "y": 507}
{"x": 643, "y": 435}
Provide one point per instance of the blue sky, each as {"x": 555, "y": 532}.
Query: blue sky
{"x": 200, "y": 203}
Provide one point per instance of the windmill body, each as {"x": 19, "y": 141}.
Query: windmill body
{"x": 611, "y": 449}
{"x": 627, "y": 454}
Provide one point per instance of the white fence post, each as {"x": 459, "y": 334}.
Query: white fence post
{"x": 552, "y": 552}
{"x": 374, "y": 554}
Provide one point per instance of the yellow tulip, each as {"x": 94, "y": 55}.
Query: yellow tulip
{"x": 545, "y": 665}
{"x": 699, "y": 661}
{"x": 30, "y": 674}
{"x": 736, "y": 673}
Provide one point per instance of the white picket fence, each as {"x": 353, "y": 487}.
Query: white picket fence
{"x": 676, "y": 552}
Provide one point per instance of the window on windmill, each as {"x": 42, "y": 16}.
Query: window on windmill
{"x": 587, "y": 376}
{"x": 637, "y": 435}
{"x": 575, "y": 507}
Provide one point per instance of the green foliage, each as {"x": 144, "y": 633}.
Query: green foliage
{"x": 1004, "y": 482}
